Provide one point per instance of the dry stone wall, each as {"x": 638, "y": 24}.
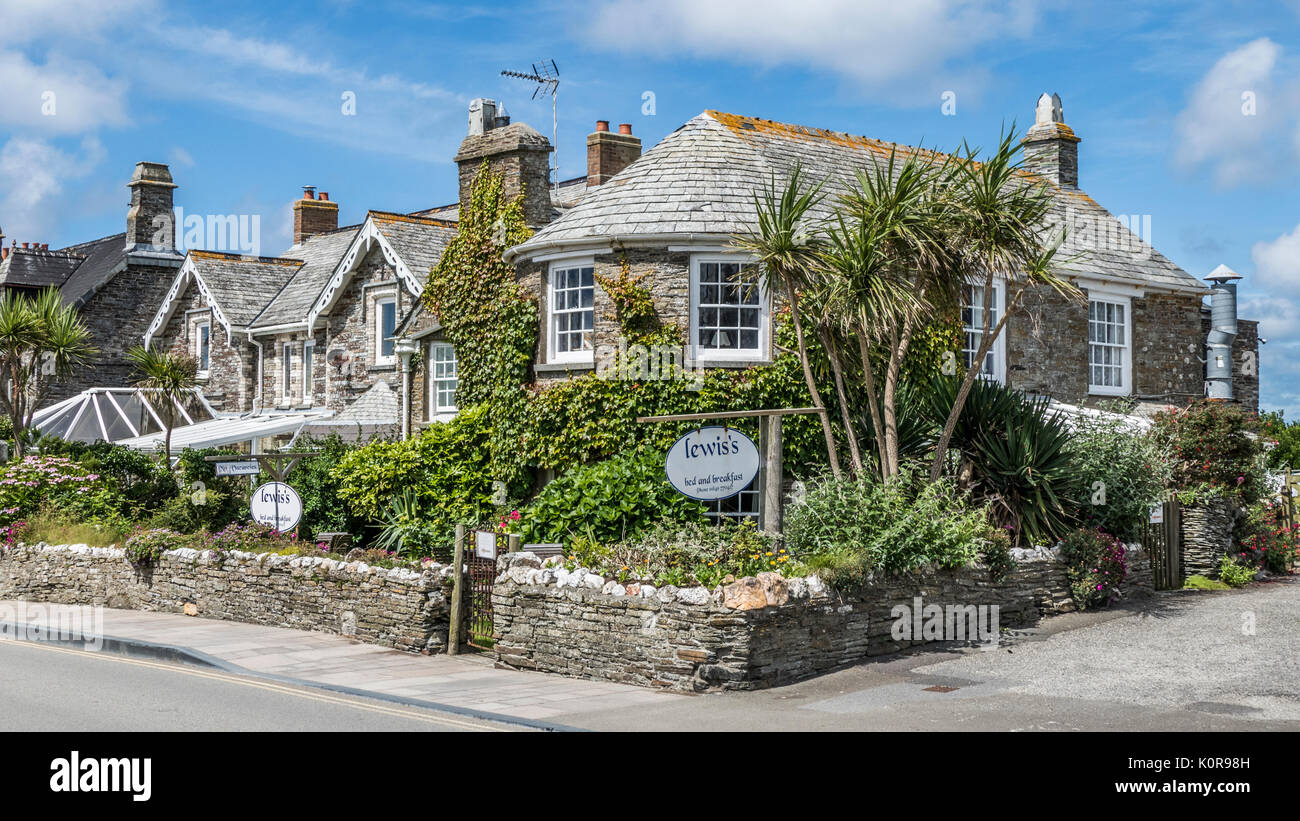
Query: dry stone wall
{"x": 756, "y": 632}
{"x": 399, "y": 608}
{"x": 1207, "y": 534}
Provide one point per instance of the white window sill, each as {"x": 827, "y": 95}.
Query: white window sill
{"x": 564, "y": 365}
{"x": 750, "y": 361}
{"x": 1098, "y": 391}
{"x": 443, "y": 416}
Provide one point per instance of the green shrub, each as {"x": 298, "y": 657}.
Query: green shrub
{"x": 39, "y": 480}
{"x": 1096, "y": 564}
{"x": 206, "y": 502}
{"x": 406, "y": 531}
{"x": 1211, "y": 447}
{"x": 608, "y": 501}
{"x": 1235, "y": 574}
{"x": 1285, "y": 438}
{"x": 1264, "y": 539}
{"x": 686, "y": 555}
{"x": 323, "y": 507}
{"x": 849, "y": 529}
{"x": 997, "y": 555}
{"x": 1123, "y": 473}
{"x": 142, "y": 483}
{"x": 1015, "y": 456}
{"x": 447, "y": 465}
{"x": 146, "y": 547}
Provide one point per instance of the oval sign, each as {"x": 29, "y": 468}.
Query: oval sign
{"x": 276, "y": 504}
{"x": 712, "y": 463}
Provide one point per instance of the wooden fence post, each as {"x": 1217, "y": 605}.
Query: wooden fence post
{"x": 457, "y": 593}
{"x": 772, "y": 474}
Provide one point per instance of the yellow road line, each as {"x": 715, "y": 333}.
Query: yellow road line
{"x": 265, "y": 685}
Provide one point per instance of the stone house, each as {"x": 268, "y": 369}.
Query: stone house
{"x": 114, "y": 281}
{"x": 671, "y": 214}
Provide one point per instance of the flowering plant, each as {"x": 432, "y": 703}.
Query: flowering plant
{"x": 1096, "y": 564}
{"x": 1267, "y": 541}
{"x": 27, "y": 484}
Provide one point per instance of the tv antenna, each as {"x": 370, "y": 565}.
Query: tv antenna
{"x": 547, "y": 78}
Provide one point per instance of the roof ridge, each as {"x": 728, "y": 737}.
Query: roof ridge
{"x": 398, "y": 217}
{"x": 228, "y": 255}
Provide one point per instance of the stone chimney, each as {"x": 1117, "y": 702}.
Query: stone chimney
{"x": 150, "y": 222}
{"x": 514, "y": 150}
{"x": 608, "y": 154}
{"x": 1050, "y": 148}
{"x": 312, "y": 215}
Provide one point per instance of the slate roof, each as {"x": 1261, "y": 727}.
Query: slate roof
{"x": 700, "y": 180}
{"x": 419, "y": 241}
{"x": 29, "y": 268}
{"x": 103, "y": 258}
{"x": 242, "y": 286}
{"x": 319, "y": 254}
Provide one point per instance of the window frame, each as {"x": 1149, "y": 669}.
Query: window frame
{"x": 553, "y": 354}
{"x": 435, "y": 409}
{"x": 1124, "y": 301}
{"x": 761, "y": 353}
{"x": 286, "y": 371}
{"x": 308, "y": 365}
{"x": 199, "y": 329}
{"x": 380, "y": 301}
{"x": 999, "y": 349}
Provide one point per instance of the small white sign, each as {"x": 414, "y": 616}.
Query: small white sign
{"x": 277, "y": 505}
{"x": 1157, "y": 514}
{"x": 485, "y": 544}
{"x": 712, "y": 463}
{"x": 249, "y": 468}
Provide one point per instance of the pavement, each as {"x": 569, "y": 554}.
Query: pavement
{"x": 1182, "y": 660}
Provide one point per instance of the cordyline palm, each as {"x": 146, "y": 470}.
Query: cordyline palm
{"x": 824, "y": 302}
{"x": 170, "y": 375}
{"x": 1000, "y": 220}
{"x": 41, "y": 341}
{"x": 900, "y": 271}
{"x": 786, "y": 249}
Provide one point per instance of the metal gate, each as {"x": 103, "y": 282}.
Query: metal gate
{"x": 1162, "y": 538}
{"x": 480, "y": 572}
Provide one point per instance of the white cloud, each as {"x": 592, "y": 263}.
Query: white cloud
{"x": 32, "y": 177}
{"x": 63, "y": 96}
{"x": 877, "y": 45}
{"x": 1277, "y": 262}
{"x": 32, "y": 20}
{"x": 1238, "y": 117}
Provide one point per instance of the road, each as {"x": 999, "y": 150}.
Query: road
{"x": 49, "y": 688}
{"x": 1185, "y": 660}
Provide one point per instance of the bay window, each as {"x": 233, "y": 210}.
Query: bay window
{"x": 571, "y": 315}
{"x": 729, "y": 310}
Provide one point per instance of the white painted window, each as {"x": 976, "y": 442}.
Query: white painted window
{"x": 442, "y": 378}
{"x": 729, "y": 309}
{"x": 1110, "y": 365}
{"x": 203, "y": 347}
{"x": 385, "y": 327}
{"x": 571, "y": 317}
{"x": 308, "y": 384}
{"x": 741, "y": 507}
{"x": 972, "y": 321}
{"x": 286, "y": 371}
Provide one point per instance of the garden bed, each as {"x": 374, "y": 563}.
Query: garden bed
{"x": 402, "y": 608}
{"x": 755, "y": 632}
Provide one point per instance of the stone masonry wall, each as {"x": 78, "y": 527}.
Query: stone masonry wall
{"x": 232, "y": 366}
{"x": 757, "y": 632}
{"x": 1206, "y": 536}
{"x": 117, "y": 316}
{"x": 399, "y": 608}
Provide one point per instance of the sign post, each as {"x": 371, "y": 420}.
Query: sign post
{"x": 770, "y": 425}
{"x": 274, "y": 503}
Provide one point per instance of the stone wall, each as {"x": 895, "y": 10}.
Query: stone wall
{"x": 1207, "y": 534}
{"x": 232, "y": 362}
{"x": 757, "y": 632}
{"x": 399, "y": 608}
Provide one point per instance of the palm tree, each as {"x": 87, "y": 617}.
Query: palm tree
{"x": 899, "y": 271}
{"x": 1000, "y": 220}
{"x": 171, "y": 376}
{"x": 786, "y": 248}
{"x": 41, "y": 341}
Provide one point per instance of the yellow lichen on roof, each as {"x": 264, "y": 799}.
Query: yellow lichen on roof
{"x": 226, "y": 256}
{"x": 388, "y": 216}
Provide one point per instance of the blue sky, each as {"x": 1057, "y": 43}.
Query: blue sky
{"x": 244, "y": 101}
